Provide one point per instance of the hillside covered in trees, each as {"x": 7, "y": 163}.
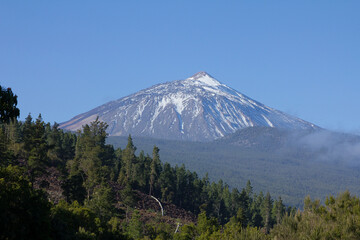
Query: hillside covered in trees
{"x": 63, "y": 185}
{"x": 284, "y": 163}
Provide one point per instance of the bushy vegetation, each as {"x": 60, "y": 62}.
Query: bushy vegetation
{"x": 339, "y": 218}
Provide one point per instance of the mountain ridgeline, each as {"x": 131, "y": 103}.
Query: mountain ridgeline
{"x": 199, "y": 108}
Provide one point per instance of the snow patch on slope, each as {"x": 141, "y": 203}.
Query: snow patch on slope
{"x": 268, "y": 121}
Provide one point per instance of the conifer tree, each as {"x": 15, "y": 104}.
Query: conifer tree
{"x": 73, "y": 189}
{"x": 245, "y": 204}
{"x": 6, "y": 155}
{"x": 128, "y": 158}
{"x": 266, "y": 212}
{"x": 249, "y": 190}
{"x": 180, "y": 184}
{"x": 24, "y": 211}
{"x": 167, "y": 183}
{"x": 53, "y": 139}
{"x": 89, "y": 156}
{"x": 102, "y": 202}
{"x": 278, "y": 210}
{"x": 35, "y": 146}
{"x": 68, "y": 144}
{"x": 155, "y": 169}
{"x": 135, "y": 228}
{"x": 8, "y": 102}
{"x": 141, "y": 172}
{"x": 205, "y": 226}
{"x": 8, "y": 114}
{"x": 13, "y": 133}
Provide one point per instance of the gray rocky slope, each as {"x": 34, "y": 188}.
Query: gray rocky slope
{"x": 199, "y": 108}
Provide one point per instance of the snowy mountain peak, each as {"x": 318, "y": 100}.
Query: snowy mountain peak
{"x": 204, "y": 78}
{"x": 200, "y": 75}
{"x": 199, "y": 108}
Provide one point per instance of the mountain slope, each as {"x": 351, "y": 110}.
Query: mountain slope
{"x": 287, "y": 163}
{"x": 199, "y": 108}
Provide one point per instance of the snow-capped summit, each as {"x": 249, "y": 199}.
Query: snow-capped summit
{"x": 200, "y": 75}
{"x": 204, "y": 78}
{"x": 199, "y": 108}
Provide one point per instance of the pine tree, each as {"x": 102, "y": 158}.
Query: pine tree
{"x": 141, "y": 172}
{"x": 102, "y": 202}
{"x": 278, "y": 210}
{"x": 249, "y": 190}
{"x": 205, "y": 227}
{"x": 8, "y": 114}
{"x": 128, "y": 158}
{"x": 167, "y": 183}
{"x": 266, "y": 212}
{"x": 13, "y": 133}
{"x": 53, "y": 139}
{"x": 135, "y": 228}
{"x": 155, "y": 169}
{"x": 256, "y": 210}
{"x": 89, "y": 156}
{"x": 245, "y": 204}
{"x": 73, "y": 189}
{"x": 6, "y": 156}
{"x": 24, "y": 211}
{"x": 35, "y": 146}
{"x": 180, "y": 173}
{"x": 8, "y": 102}
{"x": 68, "y": 144}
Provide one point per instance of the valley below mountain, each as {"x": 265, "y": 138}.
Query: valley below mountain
{"x": 290, "y": 164}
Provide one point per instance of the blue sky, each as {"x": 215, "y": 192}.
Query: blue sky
{"x": 63, "y": 58}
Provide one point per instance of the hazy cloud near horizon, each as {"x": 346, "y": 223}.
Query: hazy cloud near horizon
{"x": 333, "y": 147}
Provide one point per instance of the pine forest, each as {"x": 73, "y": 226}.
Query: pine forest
{"x": 56, "y": 184}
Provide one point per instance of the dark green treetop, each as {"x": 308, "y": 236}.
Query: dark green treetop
{"x": 8, "y": 102}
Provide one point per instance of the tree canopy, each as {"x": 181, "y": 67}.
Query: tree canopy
{"x": 8, "y": 103}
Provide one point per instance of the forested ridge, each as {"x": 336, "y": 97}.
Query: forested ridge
{"x": 62, "y": 185}
{"x": 291, "y": 171}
